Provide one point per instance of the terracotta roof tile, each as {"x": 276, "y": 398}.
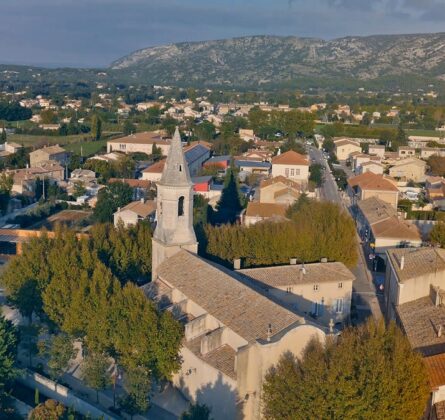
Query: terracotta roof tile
{"x": 256, "y": 209}
{"x": 435, "y": 367}
{"x": 290, "y": 158}
{"x": 371, "y": 181}
{"x": 157, "y": 167}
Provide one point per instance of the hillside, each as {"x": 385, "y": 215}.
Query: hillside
{"x": 273, "y": 61}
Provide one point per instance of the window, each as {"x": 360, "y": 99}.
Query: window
{"x": 286, "y": 171}
{"x": 180, "y": 168}
{"x": 315, "y": 287}
{"x": 292, "y": 172}
{"x": 181, "y": 206}
{"x": 339, "y": 306}
{"x": 288, "y": 289}
{"x": 297, "y": 172}
{"x": 340, "y": 285}
{"x": 317, "y": 308}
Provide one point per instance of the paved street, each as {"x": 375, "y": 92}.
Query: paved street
{"x": 365, "y": 299}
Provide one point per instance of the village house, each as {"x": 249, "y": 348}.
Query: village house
{"x": 9, "y": 148}
{"x": 253, "y": 167}
{"x": 371, "y": 166}
{"x": 50, "y": 153}
{"x": 427, "y": 152}
{"x": 321, "y": 290}
{"x": 410, "y": 169}
{"x": 134, "y": 212}
{"x": 279, "y": 190}
{"x": 369, "y": 184}
{"x": 25, "y": 180}
{"x": 196, "y": 154}
{"x": 344, "y": 147}
{"x": 380, "y": 226}
{"x": 246, "y": 134}
{"x": 259, "y": 212}
{"x": 140, "y": 187}
{"x": 405, "y": 151}
{"x": 222, "y": 162}
{"x": 139, "y": 142}
{"x": 376, "y": 150}
{"x": 154, "y": 172}
{"x": 291, "y": 165}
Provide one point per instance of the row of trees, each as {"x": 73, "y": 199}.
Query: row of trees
{"x": 13, "y": 111}
{"x": 315, "y": 230}
{"x": 80, "y": 287}
{"x": 368, "y": 372}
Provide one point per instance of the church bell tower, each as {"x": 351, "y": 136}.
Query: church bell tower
{"x": 174, "y": 229}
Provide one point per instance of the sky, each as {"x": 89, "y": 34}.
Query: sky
{"x": 93, "y": 33}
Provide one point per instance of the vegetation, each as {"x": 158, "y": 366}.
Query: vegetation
{"x": 437, "y": 165}
{"x": 369, "y": 370}
{"x": 316, "y": 171}
{"x": 96, "y": 127}
{"x": 110, "y": 198}
{"x": 315, "y": 230}
{"x": 13, "y": 111}
{"x": 437, "y": 234}
{"x": 81, "y": 286}
{"x": 49, "y": 410}
{"x": 197, "y": 412}
{"x": 96, "y": 372}
{"x": 8, "y": 355}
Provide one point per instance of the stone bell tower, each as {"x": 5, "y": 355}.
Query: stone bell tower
{"x": 174, "y": 229}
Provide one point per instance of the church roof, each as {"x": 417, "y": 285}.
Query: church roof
{"x": 176, "y": 171}
{"x": 220, "y": 294}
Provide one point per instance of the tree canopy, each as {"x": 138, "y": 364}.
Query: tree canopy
{"x": 8, "y": 354}
{"x": 110, "y": 198}
{"x": 368, "y": 372}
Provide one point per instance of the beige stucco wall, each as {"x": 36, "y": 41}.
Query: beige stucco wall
{"x": 376, "y": 169}
{"x": 127, "y": 217}
{"x": 386, "y": 196}
{"x": 410, "y": 172}
{"x": 301, "y": 172}
{"x": 303, "y": 296}
{"x": 345, "y": 150}
{"x": 267, "y": 194}
{"x": 382, "y": 244}
{"x": 151, "y": 176}
{"x": 376, "y": 151}
{"x": 136, "y": 147}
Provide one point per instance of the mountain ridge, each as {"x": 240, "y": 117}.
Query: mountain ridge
{"x": 269, "y": 59}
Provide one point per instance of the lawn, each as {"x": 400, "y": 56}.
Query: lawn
{"x": 425, "y": 133}
{"x": 38, "y": 141}
{"x": 87, "y": 148}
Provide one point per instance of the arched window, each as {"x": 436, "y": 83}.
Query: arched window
{"x": 181, "y": 206}
{"x": 180, "y": 168}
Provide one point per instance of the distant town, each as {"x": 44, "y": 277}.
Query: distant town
{"x": 203, "y": 254}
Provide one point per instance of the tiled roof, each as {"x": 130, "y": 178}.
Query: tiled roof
{"x": 420, "y": 320}
{"x": 134, "y": 183}
{"x": 252, "y": 164}
{"x": 256, "y": 209}
{"x": 409, "y": 161}
{"x": 346, "y": 141}
{"x": 157, "y": 167}
{"x": 140, "y": 208}
{"x": 376, "y": 210}
{"x": 51, "y": 150}
{"x": 417, "y": 261}
{"x": 393, "y": 228}
{"x": 280, "y": 178}
{"x": 235, "y": 305}
{"x": 287, "y": 275}
{"x": 435, "y": 367}
{"x": 290, "y": 158}
{"x": 222, "y": 358}
{"x": 371, "y": 181}
{"x": 147, "y": 137}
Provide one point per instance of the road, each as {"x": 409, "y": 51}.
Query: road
{"x": 364, "y": 296}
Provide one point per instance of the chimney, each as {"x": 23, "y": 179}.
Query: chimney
{"x": 293, "y": 261}
{"x": 402, "y": 262}
{"x": 142, "y": 200}
{"x": 237, "y": 264}
{"x": 269, "y": 332}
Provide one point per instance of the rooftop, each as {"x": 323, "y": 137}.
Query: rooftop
{"x": 146, "y": 137}
{"x": 216, "y": 290}
{"x": 279, "y": 179}
{"x": 421, "y": 320}
{"x": 51, "y": 149}
{"x": 290, "y": 158}
{"x": 134, "y": 183}
{"x": 256, "y": 209}
{"x": 435, "y": 367}
{"x": 288, "y": 275}
{"x": 142, "y": 209}
{"x": 371, "y": 181}
{"x": 417, "y": 261}
{"x": 157, "y": 167}
{"x": 252, "y": 164}
{"x": 376, "y": 210}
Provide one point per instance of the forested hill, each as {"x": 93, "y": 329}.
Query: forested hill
{"x": 272, "y": 61}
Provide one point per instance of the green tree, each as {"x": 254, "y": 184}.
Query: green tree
{"x": 96, "y": 372}
{"x": 316, "y": 171}
{"x": 79, "y": 189}
{"x": 3, "y": 137}
{"x": 229, "y": 205}
{"x": 156, "y": 152}
{"x": 110, "y": 198}
{"x": 59, "y": 350}
{"x": 96, "y": 127}
{"x": 8, "y": 355}
{"x": 138, "y": 386}
{"x": 49, "y": 410}
{"x": 128, "y": 128}
{"x": 29, "y": 335}
{"x": 370, "y": 370}
{"x": 437, "y": 234}
{"x": 197, "y": 412}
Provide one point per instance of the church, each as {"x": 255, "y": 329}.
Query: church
{"x": 234, "y": 331}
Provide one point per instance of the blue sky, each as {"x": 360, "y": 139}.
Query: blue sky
{"x": 95, "y": 32}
